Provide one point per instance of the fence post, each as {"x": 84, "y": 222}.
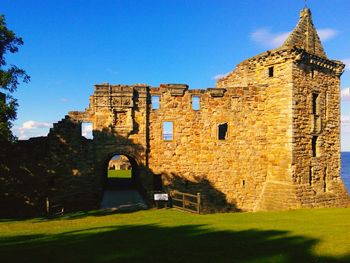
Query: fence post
{"x": 47, "y": 205}
{"x": 198, "y": 202}
{"x": 183, "y": 200}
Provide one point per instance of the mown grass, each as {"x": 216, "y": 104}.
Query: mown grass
{"x": 317, "y": 235}
{"x": 119, "y": 173}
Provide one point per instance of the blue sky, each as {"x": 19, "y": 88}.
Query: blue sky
{"x": 70, "y": 45}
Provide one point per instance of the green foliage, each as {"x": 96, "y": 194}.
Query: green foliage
{"x": 310, "y": 235}
{"x": 10, "y": 77}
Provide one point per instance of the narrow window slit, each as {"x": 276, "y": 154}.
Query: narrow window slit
{"x": 222, "y": 131}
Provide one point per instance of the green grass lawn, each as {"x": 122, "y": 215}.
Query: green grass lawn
{"x": 119, "y": 173}
{"x": 318, "y": 235}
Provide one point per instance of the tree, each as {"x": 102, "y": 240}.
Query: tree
{"x": 10, "y": 76}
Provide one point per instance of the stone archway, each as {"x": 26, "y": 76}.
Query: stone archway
{"x": 122, "y": 190}
{"x": 121, "y": 172}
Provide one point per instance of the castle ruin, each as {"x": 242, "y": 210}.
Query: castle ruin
{"x": 267, "y": 137}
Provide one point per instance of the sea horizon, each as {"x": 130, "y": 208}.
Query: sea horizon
{"x": 345, "y": 169}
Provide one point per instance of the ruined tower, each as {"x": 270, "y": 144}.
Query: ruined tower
{"x": 301, "y": 87}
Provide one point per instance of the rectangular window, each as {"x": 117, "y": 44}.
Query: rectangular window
{"x": 315, "y": 106}
{"x": 271, "y": 72}
{"x": 86, "y": 130}
{"x": 222, "y": 131}
{"x": 196, "y": 103}
{"x": 155, "y": 102}
{"x": 314, "y": 146}
{"x": 168, "y": 131}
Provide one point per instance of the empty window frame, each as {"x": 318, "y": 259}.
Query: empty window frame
{"x": 86, "y": 130}
{"x": 314, "y": 146}
{"x": 315, "y": 103}
{"x": 196, "y": 103}
{"x": 271, "y": 72}
{"x": 167, "y": 131}
{"x": 155, "y": 102}
{"x": 222, "y": 131}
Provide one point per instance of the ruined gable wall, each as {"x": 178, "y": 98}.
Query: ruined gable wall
{"x": 317, "y": 178}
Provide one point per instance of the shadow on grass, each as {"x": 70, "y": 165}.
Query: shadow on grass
{"x": 83, "y": 214}
{"x": 154, "y": 243}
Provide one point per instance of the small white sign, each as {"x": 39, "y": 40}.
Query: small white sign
{"x": 161, "y": 197}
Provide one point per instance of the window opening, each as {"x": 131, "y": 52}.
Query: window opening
{"x": 195, "y": 102}
{"x": 86, "y": 130}
{"x": 167, "y": 130}
{"x": 315, "y": 103}
{"x": 314, "y": 146}
{"x": 310, "y": 175}
{"x": 155, "y": 102}
{"x": 222, "y": 131}
{"x": 271, "y": 72}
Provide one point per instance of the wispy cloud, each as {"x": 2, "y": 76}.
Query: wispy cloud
{"x": 347, "y": 63}
{"x": 220, "y": 76}
{"x": 64, "y": 100}
{"x": 112, "y": 72}
{"x": 269, "y": 39}
{"x": 31, "y": 129}
{"x": 326, "y": 34}
{"x": 345, "y": 124}
{"x": 345, "y": 94}
{"x": 265, "y": 37}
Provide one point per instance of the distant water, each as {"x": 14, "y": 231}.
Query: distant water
{"x": 345, "y": 169}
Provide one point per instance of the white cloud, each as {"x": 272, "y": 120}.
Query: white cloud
{"x": 31, "y": 129}
{"x": 346, "y": 61}
{"x": 269, "y": 39}
{"x": 345, "y": 94}
{"x": 327, "y": 33}
{"x": 220, "y": 76}
{"x": 345, "y": 124}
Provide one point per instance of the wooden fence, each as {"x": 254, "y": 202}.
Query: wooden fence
{"x": 187, "y": 202}
{"x": 53, "y": 209}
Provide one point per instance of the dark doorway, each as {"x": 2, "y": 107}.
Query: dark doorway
{"x": 122, "y": 190}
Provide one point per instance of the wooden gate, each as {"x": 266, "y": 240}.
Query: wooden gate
{"x": 187, "y": 202}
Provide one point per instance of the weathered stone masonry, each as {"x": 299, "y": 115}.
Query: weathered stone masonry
{"x": 281, "y": 149}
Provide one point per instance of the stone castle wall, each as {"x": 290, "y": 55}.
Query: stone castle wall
{"x": 281, "y": 149}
